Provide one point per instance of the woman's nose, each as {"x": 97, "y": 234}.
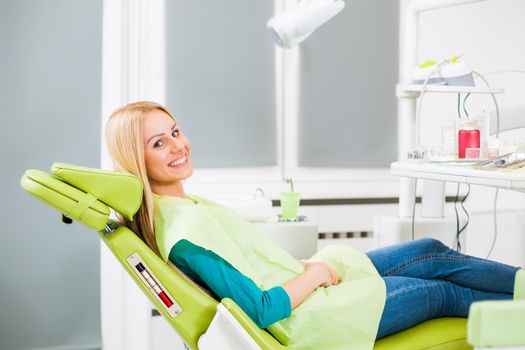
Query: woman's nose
{"x": 176, "y": 145}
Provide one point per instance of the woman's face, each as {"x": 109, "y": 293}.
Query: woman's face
{"x": 166, "y": 150}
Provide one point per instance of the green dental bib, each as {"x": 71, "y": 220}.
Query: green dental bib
{"x": 345, "y": 316}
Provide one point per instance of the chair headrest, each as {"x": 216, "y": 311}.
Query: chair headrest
{"x": 84, "y": 194}
{"x": 120, "y": 191}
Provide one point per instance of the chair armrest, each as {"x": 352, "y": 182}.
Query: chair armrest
{"x": 497, "y": 324}
{"x": 264, "y": 339}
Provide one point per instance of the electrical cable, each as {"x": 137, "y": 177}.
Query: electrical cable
{"x": 493, "y": 98}
{"x": 459, "y": 231}
{"x": 468, "y": 218}
{"x": 497, "y": 136}
{"x": 418, "y": 136}
{"x": 458, "y": 245}
{"x": 457, "y": 219}
{"x": 462, "y": 203}
{"x": 418, "y": 141}
{"x": 495, "y": 223}
{"x": 423, "y": 91}
{"x": 414, "y": 209}
{"x": 464, "y": 108}
{"x": 459, "y": 105}
{"x": 418, "y": 113}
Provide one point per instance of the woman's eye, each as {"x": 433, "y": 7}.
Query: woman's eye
{"x": 158, "y": 144}
{"x": 175, "y": 133}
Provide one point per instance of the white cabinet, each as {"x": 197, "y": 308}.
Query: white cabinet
{"x": 297, "y": 238}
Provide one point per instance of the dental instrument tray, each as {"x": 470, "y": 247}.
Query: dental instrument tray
{"x": 508, "y": 161}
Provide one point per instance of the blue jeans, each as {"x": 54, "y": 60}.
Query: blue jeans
{"x": 426, "y": 279}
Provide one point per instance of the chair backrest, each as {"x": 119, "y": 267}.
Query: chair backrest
{"x": 185, "y": 306}
{"x": 85, "y": 195}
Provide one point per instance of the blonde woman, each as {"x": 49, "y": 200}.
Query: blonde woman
{"x": 338, "y": 297}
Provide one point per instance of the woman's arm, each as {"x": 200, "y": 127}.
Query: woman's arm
{"x": 316, "y": 274}
{"x": 263, "y": 307}
{"x": 210, "y": 270}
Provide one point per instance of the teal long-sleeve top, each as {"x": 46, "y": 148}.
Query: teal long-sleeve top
{"x": 211, "y": 271}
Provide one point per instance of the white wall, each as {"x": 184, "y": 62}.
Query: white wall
{"x": 490, "y": 36}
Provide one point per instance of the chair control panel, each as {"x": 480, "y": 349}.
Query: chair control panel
{"x": 152, "y": 283}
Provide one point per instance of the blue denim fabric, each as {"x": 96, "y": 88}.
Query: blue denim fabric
{"x": 426, "y": 279}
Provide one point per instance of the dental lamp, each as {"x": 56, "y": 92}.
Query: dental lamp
{"x": 291, "y": 27}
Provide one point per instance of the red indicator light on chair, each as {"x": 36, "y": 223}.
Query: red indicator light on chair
{"x": 165, "y": 299}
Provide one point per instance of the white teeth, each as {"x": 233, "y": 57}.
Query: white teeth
{"x": 178, "y": 162}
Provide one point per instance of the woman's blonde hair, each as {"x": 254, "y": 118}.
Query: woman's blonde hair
{"x": 124, "y": 139}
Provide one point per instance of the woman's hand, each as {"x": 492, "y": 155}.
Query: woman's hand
{"x": 315, "y": 274}
{"x": 326, "y": 274}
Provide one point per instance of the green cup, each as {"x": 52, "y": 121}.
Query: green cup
{"x": 290, "y": 204}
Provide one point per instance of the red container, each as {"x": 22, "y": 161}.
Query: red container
{"x": 467, "y": 139}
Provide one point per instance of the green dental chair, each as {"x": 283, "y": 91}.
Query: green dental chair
{"x": 86, "y": 195}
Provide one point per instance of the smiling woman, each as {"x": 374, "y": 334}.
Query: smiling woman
{"x": 166, "y": 153}
{"x": 145, "y": 140}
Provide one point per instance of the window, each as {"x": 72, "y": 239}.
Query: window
{"x": 323, "y": 113}
{"x": 221, "y": 80}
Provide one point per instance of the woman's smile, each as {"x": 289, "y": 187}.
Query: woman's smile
{"x": 179, "y": 163}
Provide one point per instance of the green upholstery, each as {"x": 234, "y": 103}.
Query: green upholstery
{"x": 122, "y": 192}
{"x": 437, "y": 334}
{"x": 499, "y": 323}
{"x": 63, "y": 197}
{"x": 198, "y": 307}
{"x": 85, "y": 194}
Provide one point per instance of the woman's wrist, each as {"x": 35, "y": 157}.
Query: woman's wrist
{"x": 318, "y": 273}
{"x": 300, "y": 287}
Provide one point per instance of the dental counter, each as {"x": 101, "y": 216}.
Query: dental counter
{"x": 460, "y": 173}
